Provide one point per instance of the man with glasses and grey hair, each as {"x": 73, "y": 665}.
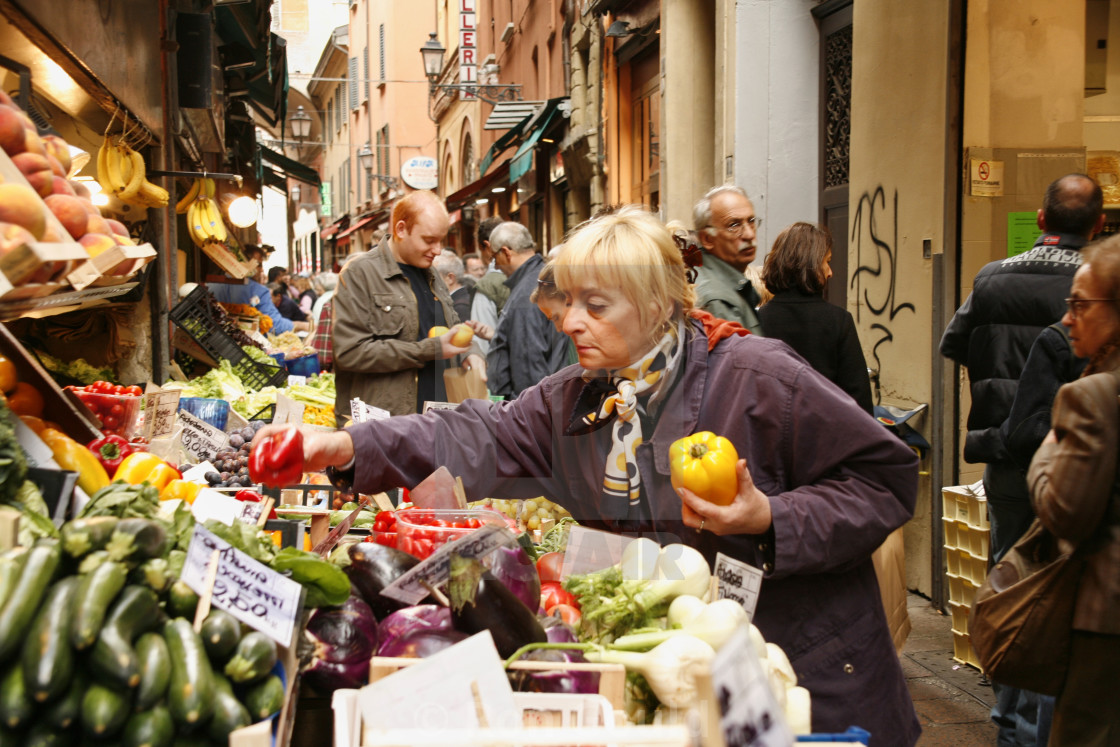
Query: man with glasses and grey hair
{"x": 1012, "y": 301}
{"x": 726, "y": 224}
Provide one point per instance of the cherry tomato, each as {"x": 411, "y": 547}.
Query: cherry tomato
{"x": 548, "y": 566}
{"x": 118, "y": 389}
{"x": 111, "y": 422}
{"x": 134, "y": 391}
{"x": 567, "y": 613}
{"x": 117, "y": 409}
{"x": 552, "y": 594}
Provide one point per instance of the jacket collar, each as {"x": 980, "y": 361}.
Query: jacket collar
{"x": 1063, "y": 240}
{"x": 681, "y": 412}
{"x": 725, "y": 271}
{"x": 532, "y": 264}
{"x": 387, "y": 264}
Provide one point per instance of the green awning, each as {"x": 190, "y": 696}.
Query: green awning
{"x": 501, "y": 144}
{"x": 522, "y": 161}
{"x": 293, "y": 168}
{"x": 246, "y": 25}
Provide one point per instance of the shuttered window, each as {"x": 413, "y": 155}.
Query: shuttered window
{"x": 353, "y": 83}
{"x": 381, "y": 51}
{"x": 364, "y": 85}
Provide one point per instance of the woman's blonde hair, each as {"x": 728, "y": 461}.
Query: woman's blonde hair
{"x": 631, "y": 250}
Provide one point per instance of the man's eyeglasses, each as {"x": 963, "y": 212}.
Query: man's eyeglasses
{"x": 1078, "y": 306}
{"x": 736, "y": 227}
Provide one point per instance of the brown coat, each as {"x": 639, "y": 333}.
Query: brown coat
{"x": 1073, "y": 488}
{"x": 377, "y": 357}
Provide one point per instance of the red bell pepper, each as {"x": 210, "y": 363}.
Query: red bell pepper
{"x": 110, "y": 450}
{"x": 277, "y": 461}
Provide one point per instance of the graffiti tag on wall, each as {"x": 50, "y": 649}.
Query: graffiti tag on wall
{"x": 875, "y": 280}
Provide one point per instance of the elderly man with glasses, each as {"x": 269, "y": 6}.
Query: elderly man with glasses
{"x": 726, "y": 224}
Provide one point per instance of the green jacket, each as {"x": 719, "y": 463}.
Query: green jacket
{"x": 493, "y": 286}
{"x": 724, "y": 292}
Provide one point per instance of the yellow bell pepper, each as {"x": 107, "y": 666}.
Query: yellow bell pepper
{"x": 143, "y": 466}
{"x": 184, "y": 490}
{"x": 705, "y": 464}
{"x": 71, "y": 455}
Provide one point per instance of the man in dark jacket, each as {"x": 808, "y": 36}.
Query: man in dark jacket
{"x": 991, "y": 334}
{"x": 526, "y": 346}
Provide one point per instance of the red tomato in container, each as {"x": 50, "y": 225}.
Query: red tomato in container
{"x": 567, "y": 613}
{"x": 548, "y": 566}
{"x": 552, "y": 594}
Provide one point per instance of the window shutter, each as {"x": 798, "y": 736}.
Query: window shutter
{"x": 353, "y": 83}
{"x": 364, "y": 87}
{"x": 381, "y": 51}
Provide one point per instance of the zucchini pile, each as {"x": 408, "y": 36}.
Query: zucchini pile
{"x": 97, "y": 645}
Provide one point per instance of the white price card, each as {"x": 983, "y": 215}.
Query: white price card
{"x": 749, "y": 714}
{"x": 360, "y": 412}
{"x": 739, "y": 581}
{"x": 250, "y": 511}
{"x": 250, "y": 591}
{"x": 201, "y": 439}
{"x": 160, "y": 406}
{"x": 210, "y": 504}
{"x": 294, "y": 379}
{"x": 430, "y": 405}
{"x": 592, "y": 550}
{"x": 416, "y": 583}
{"x": 287, "y": 410}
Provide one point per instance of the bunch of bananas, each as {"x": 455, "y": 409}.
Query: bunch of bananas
{"x": 204, "y": 220}
{"x": 121, "y": 171}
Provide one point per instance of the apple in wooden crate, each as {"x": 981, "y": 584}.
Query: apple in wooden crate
{"x": 21, "y": 205}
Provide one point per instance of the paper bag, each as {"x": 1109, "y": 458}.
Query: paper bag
{"x": 463, "y": 384}
{"x": 890, "y": 567}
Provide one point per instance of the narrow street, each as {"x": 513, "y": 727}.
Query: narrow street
{"x": 952, "y": 700}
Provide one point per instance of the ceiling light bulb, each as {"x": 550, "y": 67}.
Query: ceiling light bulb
{"x": 243, "y": 211}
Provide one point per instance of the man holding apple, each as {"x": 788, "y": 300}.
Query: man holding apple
{"x": 526, "y": 346}
{"x": 387, "y": 301}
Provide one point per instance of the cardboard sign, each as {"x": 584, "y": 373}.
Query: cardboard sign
{"x": 287, "y": 410}
{"x": 250, "y": 591}
{"x": 360, "y": 412}
{"x": 592, "y": 550}
{"x": 748, "y": 712}
{"x": 429, "y": 405}
{"x": 739, "y": 581}
{"x": 160, "y": 407}
{"x": 210, "y": 504}
{"x": 201, "y": 439}
{"x": 434, "y": 571}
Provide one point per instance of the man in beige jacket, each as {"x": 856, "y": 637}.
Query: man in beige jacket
{"x": 386, "y": 302}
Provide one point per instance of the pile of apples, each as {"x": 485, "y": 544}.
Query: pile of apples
{"x": 45, "y": 162}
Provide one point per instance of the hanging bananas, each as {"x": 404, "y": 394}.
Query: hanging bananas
{"x": 204, "y": 220}
{"x": 121, "y": 172}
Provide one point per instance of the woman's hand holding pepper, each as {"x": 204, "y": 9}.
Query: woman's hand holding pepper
{"x": 320, "y": 449}
{"x": 748, "y": 513}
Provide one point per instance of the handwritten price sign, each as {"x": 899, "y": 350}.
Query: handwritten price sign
{"x": 417, "y": 583}
{"x": 250, "y": 591}
{"x": 200, "y": 438}
{"x": 739, "y": 581}
{"x": 361, "y": 412}
{"x": 159, "y": 411}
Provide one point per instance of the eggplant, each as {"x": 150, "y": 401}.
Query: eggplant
{"x": 557, "y": 630}
{"x": 372, "y": 568}
{"x": 344, "y": 639}
{"x": 422, "y": 617}
{"x": 514, "y": 568}
{"x": 421, "y": 643}
{"x": 479, "y": 601}
{"x": 554, "y": 681}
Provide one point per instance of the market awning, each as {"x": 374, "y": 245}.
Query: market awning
{"x": 501, "y": 144}
{"x": 522, "y": 161}
{"x": 245, "y": 27}
{"x": 471, "y": 192}
{"x": 534, "y": 124}
{"x": 361, "y": 222}
{"x": 281, "y": 163}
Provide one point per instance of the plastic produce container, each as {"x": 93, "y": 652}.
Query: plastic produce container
{"x": 422, "y": 531}
{"x": 213, "y": 411}
{"x": 305, "y": 365}
{"x": 118, "y": 413}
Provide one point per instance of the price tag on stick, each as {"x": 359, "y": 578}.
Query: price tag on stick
{"x": 434, "y": 571}
{"x": 160, "y": 406}
{"x": 250, "y": 591}
{"x": 200, "y": 438}
{"x": 739, "y": 581}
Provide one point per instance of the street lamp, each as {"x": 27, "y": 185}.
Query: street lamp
{"x": 295, "y": 193}
{"x": 365, "y": 159}
{"x": 432, "y": 51}
{"x": 300, "y": 122}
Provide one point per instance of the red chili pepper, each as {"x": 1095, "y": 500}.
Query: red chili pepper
{"x": 110, "y": 450}
{"x": 277, "y": 461}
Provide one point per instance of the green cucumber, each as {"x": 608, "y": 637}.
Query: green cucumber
{"x": 264, "y": 698}
{"x": 16, "y": 706}
{"x": 254, "y": 658}
{"x": 99, "y": 589}
{"x": 42, "y": 734}
{"x": 191, "y": 691}
{"x": 48, "y": 660}
{"x": 104, "y": 711}
{"x": 113, "y": 658}
{"x": 220, "y": 633}
{"x": 155, "y": 670}
{"x": 83, "y": 536}
{"x": 65, "y": 711}
{"x": 153, "y": 573}
{"x": 11, "y": 566}
{"x": 136, "y": 540}
{"x": 150, "y": 728}
{"x": 229, "y": 714}
{"x": 182, "y": 600}
{"x": 92, "y": 562}
{"x": 42, "y": 562}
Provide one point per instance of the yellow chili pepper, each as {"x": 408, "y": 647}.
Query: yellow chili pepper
{"x": 71, "y": 455}
{"x": 184, "y": 490}
{"x": 143, "y": 466}
{"x": 705, "y": 464}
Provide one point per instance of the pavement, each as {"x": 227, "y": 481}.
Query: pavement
{"x": 953, "y": 700}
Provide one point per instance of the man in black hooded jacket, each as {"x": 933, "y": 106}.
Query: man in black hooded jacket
{"x": 991, "y": 334}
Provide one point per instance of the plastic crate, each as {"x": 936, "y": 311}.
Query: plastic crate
{"x": 952, "y": 560}
{"x": 963, "y": 652}
{"x": 960, "y": 617}
{"x": 195, "y": 316}
{"x": 954, "y": 502}
{"x": 978, "y": 511}
{"x": 952, "y": 540}
{"x": 961, "y": 589}
{"x": 978, "y": 540}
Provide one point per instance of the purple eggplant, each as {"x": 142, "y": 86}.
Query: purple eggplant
{"x": 557, "y": 630}
{"x": 421, "y": 643}
{"x": 513, "y": 567}
{"x": 422, "y": 617}
{"x": 554, "y": 681}
{"x": 372, "y": 568}
{"x": 479, "y": 601}
{"x": 344, "y": 639}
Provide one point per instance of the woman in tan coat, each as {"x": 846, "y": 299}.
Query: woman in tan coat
{"x": 1074, "y": 492}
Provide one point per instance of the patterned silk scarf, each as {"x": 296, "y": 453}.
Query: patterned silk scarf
{"x": 616, "y": 396}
